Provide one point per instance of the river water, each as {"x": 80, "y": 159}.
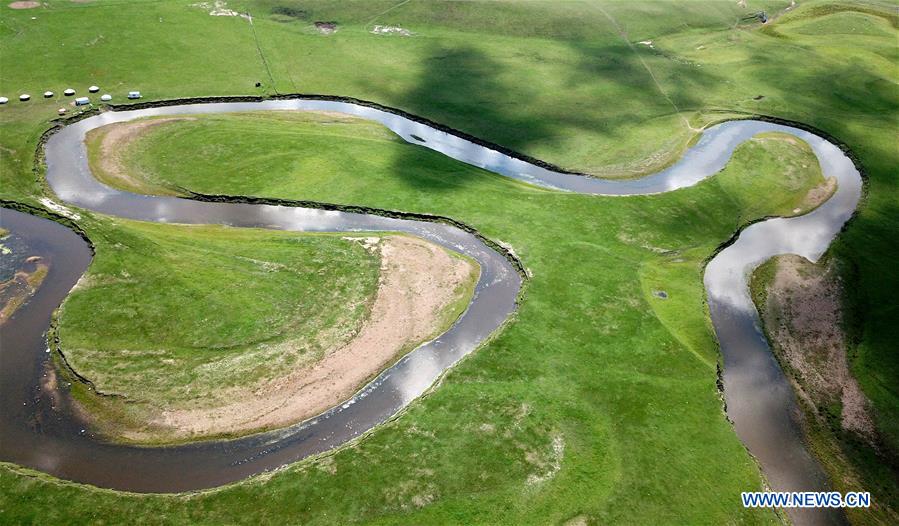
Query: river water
{"x": 38, "y": 431}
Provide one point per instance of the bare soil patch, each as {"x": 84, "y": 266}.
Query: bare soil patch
{"x": 419, "y": 280}
{"x": 24, "y": 5}
{"x": 220, "y": 8}
{"x": 16, "y": 291}
{"x": 114, "y": 142}
{"x": 326, "y": 28}
{"x": 391, "y": 30}
{"x": 820, "y": 193}
{"x": 803, "y": 316}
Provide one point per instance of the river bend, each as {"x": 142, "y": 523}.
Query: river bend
{"x": 759, "y": 398}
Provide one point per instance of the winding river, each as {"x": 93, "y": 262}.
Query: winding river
{"x": 40, "y": 431}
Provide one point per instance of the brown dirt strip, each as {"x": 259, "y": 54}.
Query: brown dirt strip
{"x": 804, "y": 316}
{"x": 114, "y": 141}
{"x": 16, "y": 291}
{"x": 419, "y": 280}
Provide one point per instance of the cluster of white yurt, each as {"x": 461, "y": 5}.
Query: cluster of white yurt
{"x": 70, "y": 92}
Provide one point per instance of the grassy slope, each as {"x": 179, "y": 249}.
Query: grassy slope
{"x": 168, "y": 315}
{"x": 589, "y": 102}
{"x": 859, "y": 107}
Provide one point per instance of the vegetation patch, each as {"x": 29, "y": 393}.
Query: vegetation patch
{"x": 232, "y": 341}
{"x": 289, "y": 11}
{"x": 802, "y": 312}
{"x": 176, "y": 317}
{"x": 626, "y": 378}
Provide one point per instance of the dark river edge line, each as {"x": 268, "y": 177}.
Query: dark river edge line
{"x": 758, "y": 397}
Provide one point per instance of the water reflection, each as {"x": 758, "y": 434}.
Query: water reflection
{"x": 760, "y": 400}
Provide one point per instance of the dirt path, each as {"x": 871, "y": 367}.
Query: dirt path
{"x": 419, "y": 280}
{"x": 624, "y": 36}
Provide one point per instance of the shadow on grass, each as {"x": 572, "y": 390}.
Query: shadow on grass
{"x": 467, "y": 88}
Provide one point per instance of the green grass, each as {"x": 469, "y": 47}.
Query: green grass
{"x": 780, "y": 170}
{"x": 172, "y": 317}
{"x": 320, "y": 157}
{"x": 519, "y": 397}
{"x": 625, "y": 379}
{"x": 848, "y": 459}
{"x": 168, "y": 316}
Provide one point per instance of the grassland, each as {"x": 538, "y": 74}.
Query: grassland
{"x": 594, "y": 361}
{"x": 312, "y": 154}
{"x": 171, "y": 317}
{"x": 614, "y": 303}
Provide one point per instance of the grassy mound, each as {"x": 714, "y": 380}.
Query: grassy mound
{"x": 173, "y": 316}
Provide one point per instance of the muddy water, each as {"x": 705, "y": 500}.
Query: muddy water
{"x": 760, "y": 400}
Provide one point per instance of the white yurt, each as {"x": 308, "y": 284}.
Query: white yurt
{"x": 68, "y": 92}
{"x": 93, "y": 89}
{"x": 106, "y": 97}
{"x": 48, "y": 94}
{"x": 61, "y": 111}
{"x": 24, "y": 97}
{"x": 3, "y": 100}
